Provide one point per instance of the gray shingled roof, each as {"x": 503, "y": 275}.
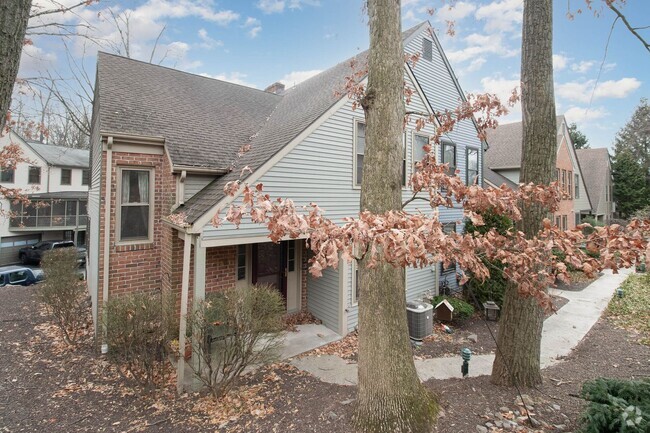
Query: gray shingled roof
{"x": 496, "y": 179}
{"x": 204, "y": 121}
{"x": 300, "y": 107}
{"x": 61, "y": 156}
{"x": 595, "y": 167}
{"x": 506, "y": 144}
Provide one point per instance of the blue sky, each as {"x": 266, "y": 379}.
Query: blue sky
{"x": 258, "y": 42}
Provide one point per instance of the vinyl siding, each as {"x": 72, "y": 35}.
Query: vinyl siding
{"x": 94, "y": 194}
{"x": 323, "y": 297}
{"x": 320, "y": 169}
{"x": 195, "y": 183}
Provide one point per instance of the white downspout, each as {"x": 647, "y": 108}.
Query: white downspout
{"x": 182, "y": 329}
{"x": 107, "y": 239}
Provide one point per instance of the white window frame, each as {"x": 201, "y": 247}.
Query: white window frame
{"x": 118, "y": 207}
{"x": 83, "y": 172}
{"x": 442, "y": 154}
{"x": 356, "y": 121}
{"x": 353, "y": 285}
{"x": 478, "y": 165}
{"x": 40, "y": 174}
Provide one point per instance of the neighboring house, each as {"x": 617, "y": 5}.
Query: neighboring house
{"x": 503, "y": 165}
{"x": 165, "y": 141}
{"x": 55, "y": 179}
{"x": 597, "y": 168}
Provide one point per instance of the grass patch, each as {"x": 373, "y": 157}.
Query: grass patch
{"x": 632, "y": 311}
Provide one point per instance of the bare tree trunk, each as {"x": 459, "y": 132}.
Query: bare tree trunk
{"x": 391, "y": 397}
{"x": 520, "y": 331}
{"x": 13, "y": 23}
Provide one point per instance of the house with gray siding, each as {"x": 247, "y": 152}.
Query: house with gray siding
{"x": 165, "y": 143}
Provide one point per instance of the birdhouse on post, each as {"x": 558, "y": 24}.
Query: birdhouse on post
{"x": 444, "y": 311}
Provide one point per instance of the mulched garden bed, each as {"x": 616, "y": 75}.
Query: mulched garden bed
{"x": 579, "y": 281}
{"x": 46, "y": 387}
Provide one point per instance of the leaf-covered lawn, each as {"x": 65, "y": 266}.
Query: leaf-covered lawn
{"x": 632, "y": 311}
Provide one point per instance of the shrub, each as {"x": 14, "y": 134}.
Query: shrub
{"x": 462, "y": 309}
{"x": 492, "y": 289}
{"x": 140, "y": 328}
{"x": 63, "y": 294}
{"x": 593, "y": 222}
{"x": 616, "y": 406}
{"x": 233, "y": 330}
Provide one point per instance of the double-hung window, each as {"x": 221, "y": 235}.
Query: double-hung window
{"x": 85, "y": 177}
{"x": 7, "y": 175}
{"x": 360, "y": 150}
{"x": 449, "y": 156}
{"x": 472, "y": 166}
{"x": 34, "y": 175}
{"x": 66, "y": 176}
{"x": 577, "y": 186}
{"x": 570, "y": 186}
{"x": 135, "y": 209}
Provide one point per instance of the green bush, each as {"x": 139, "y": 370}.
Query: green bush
{"x": 593, "y": 222}
{"x": 492, "y": 289}
{"x": 462, "y": 309}
{"x": 616, "y": 406}
{"x": 233, "y": 330}
{"x": 64, "y": 296}
{"x": 140, "y": 328}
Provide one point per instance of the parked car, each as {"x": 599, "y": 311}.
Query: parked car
{"x": 19, "y": 276}
{"x": 34, "y": 254}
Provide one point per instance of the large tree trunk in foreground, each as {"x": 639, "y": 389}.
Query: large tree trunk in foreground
{"x": 520, "y": 330}
{"x": 14, "y": 15}
{"x": 391, "y": 397}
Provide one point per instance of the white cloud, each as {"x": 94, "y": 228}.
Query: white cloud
{"x": 253, "y": 32}
{"x": 478, "y": 45}
{"x": 580, "y": 91}
{"x": 501, "y": 16}
{"x": 278, "y": 6}
{"x": 295, "y": 77}
{"x": 582, "y": 67}
{"x": 206, "y": 41}
{"x": 233, "y": 77}
{"x": 271, "y": 6}
{"x": 580, "y": 114}
{"x": 456, "y": 11}
{"x": 476, "y": 64}
{"x": 254, "y": 26}
{"x": 156, "y": 9}
{"x": 560, "y": 62}
{"x": 34, "y": 59}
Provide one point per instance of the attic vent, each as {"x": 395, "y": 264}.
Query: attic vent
{"x": 427, "y": 49}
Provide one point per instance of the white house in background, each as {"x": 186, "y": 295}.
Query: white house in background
{"x": 597, "y": 168}
{"x": 57, "y": 178}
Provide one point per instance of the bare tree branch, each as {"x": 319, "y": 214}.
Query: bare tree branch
{"x": 632, "y": 30}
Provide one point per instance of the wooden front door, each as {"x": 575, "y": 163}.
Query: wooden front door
{"x": 269, "y": 266}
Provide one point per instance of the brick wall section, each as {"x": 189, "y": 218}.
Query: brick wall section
{"x": 566, "y": 206}
{"x": 132, "y": 267}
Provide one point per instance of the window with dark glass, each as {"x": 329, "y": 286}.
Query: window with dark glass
{"x": 34, "y": 175}
{"x": 427, "y": 49}
{"x": 564, "y": 180}
{"x": 565, "y": 225}
{"x": 472, "y": 165}
{"x": 66, "y": 176}
{"x": 241, "y": 262}
{"x": 577, "y": 186}
{"x": 419, "y": 141}
{"x": 447, "y": 229}
{"x": 359, "y": 150}
{"x": 570, "y": 183}
{"x": 85, "y": 177}
{"x": 7, "y": 175}
{"x": 135, "y": 205}
{"x": 291, "y": 256}
{"x": 449, "y": 156}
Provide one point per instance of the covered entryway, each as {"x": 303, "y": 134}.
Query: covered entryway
{"x": 278, "y": 266}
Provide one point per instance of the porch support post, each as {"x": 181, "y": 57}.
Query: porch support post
{"x": 199, "y": 295}
{"x": 185, "y": 289}
{"x": 344, "y": 267}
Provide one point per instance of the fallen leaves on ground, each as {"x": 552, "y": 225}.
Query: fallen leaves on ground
{"x": 345, "y": 348}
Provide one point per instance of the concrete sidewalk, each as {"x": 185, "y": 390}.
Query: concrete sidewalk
{"x": 561, "y": 333}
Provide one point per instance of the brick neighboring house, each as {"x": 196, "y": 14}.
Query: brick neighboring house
{"x": 596, "y": 164}
{"x": 56, "y": 176}
{"x": 503, "y": 165}
{"x": 164, "y": 142}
